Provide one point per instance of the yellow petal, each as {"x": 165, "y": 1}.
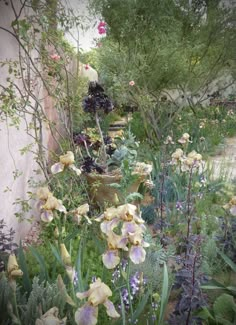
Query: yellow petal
{"x": 51, "y": 203}
{"x": 43, "y": 193}
{"x": 82, "y": 209}
{"x": 67, "y": 159}
{"x": 16, "y": 273}
{"x": 99, "y": 292}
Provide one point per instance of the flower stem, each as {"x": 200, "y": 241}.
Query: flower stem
{"x": 128, "y": 287}
{"x": 189, "y": 202}
{"x": 103, "y": 147}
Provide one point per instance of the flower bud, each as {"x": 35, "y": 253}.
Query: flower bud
{"x": 66, "y": 258}
{"x": 13, "y": 269}
{"x": 116, "y": 199}
{"x": 56, "y": 233}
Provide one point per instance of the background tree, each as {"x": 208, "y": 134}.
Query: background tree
{"x": 168, "y": 48}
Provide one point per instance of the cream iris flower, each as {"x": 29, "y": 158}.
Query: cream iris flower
{"x": 192, "y": 160}
{"x": 66, "y": 160}
{"x": 48, "y": 203}
{"x": 184, "y": 139}
{"x": 97, "y": 294}
{"x": 81, "y": 212}
{"x": 51, "y": 317}
{"x": 126, "y": 218}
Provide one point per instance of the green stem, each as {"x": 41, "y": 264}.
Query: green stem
{"x": 13, "y": 287}
{"x": 128, "y": 286}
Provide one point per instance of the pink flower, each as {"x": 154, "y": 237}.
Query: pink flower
{"x": 132, "y": 83}
{"x": 55, "y": 57}
{"x": 86, "y": 66}
{"x": 101, "y": 30}
{"x": 102, "y": 24}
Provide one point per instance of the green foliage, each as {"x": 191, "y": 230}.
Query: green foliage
{"x": 40, "y": 260}
{"x": 16, "y": 308}
{"x": 136, "y": 126}
{"x": 42, "y": 297}
{"x": 211, "y": 265}
{"x": 222, "y": 313}
{"x": 164, "y": 295}
{"x": 126, "y": 150}
{"x": 225, "y": 309}
{"x": 224, "y": 306}
{"x": 163, "y": 47}
{"x": 5, "y": 299}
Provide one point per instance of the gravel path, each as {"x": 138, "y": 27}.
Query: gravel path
{"x": 224, "y": 163}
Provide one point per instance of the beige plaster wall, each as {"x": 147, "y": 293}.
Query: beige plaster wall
{"x": 12, "y": 140}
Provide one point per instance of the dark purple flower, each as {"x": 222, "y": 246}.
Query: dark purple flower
{"x": 96, "y": 145}
{"x": 97, "y": 100}
{"x": 82, "y": 139}
{"x": 90, "y": 165}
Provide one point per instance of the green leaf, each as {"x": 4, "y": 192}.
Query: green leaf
{"x": 227, "y": 260}
{"x": 140, "y": 307}
{"x": 213, "y": 285}
{"x": 79, "y": 266}
{"x": 231, "y": 288}
{"x": 115, "y": 185}
{"x": 72, "y": 235}
{"x": 56, "y": 254}
{"x": 205, "y": 314}
{"x": 14, "y": 23}
{"x": 23, "y": 266}
{"x": 122, "y": 309}
{"x": 225, "y": 308}
{"x": 43, "y": 276}
{"x": 164, "y": 295}
{"x": 134, "y": 196}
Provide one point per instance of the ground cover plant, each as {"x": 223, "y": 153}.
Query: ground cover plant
{"x": 162, "y": 252}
